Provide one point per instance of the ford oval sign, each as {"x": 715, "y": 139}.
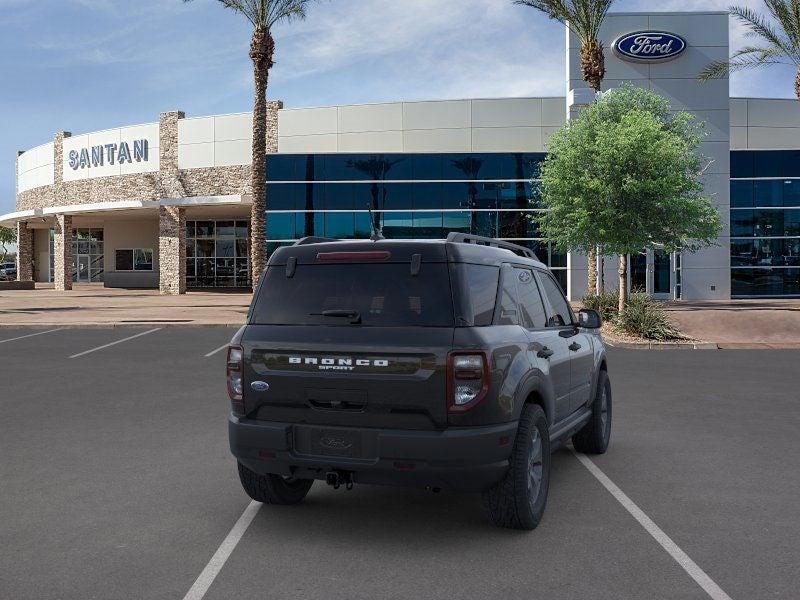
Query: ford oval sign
{"x": 649, "y": 46}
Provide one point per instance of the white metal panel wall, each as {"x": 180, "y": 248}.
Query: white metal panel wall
{"x": 484, "y": 125}
{"x": 765, "y": 124}
{"x": 35, "y": 167}
{"x": 215, "y": 141}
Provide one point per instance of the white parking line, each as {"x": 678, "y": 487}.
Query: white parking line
{"x": 220, "y": 349}
{"x": 22, "y": 337}
{"x": 115, "y": 343}
{"x": 687, "y": 564}
{"x": 214, "y": 566}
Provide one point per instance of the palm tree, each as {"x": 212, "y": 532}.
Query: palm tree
{"x": 263, "y": 15}
{"x": 584, "y": 19}
{"x": 780, "y": 41}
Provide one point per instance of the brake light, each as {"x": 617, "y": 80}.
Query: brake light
{"x": 467, "y": 379}
{"x": 233, "y": 373}
{"x": 372, "y": 255}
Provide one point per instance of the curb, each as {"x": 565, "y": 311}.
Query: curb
{"x": 115, "y": 325}
{"x": 664, "y": 345}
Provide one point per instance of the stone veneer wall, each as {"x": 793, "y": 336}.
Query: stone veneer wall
{"x": 24, "y": 252}
{"x": 172, "y": 250}
{"x": 62, "y": 251}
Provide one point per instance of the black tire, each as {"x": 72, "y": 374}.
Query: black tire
{"x": 273, "y": 489}
{"x": 519, "y": 499}
{"x": 596, "y": 434}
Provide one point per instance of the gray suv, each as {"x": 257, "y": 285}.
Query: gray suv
{"x": 452, "y": 364}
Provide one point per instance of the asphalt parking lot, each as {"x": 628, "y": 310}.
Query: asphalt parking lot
{"x": 116, "y": 482}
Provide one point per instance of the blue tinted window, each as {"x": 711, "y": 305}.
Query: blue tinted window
{"x": 398, "y": 225}
{"x": 741, "y": 194}
{"x": 791, "y": 192}
{"x": 426, "y": 195}
{"x": 791, "y": 163}
{"x": 426, "y": 166}
{"x": 363, "y": 228}
{"x": 339, "y": 196}
{"x": 280, "y": 226}
{"x": 309, "y": 224}
{"x": 455, "y": 195}
{"x": 282, "y": 196}
{"x": 339, "y": 225}
{"x": 428, "y": 225}
{"x": 768, "y": 163}
{"x": 458, "y": 221}
{"x": 281, "y": 167}
{"x": 742, "y": 164}
{"x": 768, "y": 193}
{"x": 466, "y": 166}
{"x": 765, "y": 282}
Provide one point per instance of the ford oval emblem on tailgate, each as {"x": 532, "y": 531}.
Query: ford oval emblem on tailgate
{"x": 335, "y": 443}
{"x": 259, "y": 386}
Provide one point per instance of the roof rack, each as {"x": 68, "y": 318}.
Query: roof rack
{"x": 465, "y": 238}
{"x": 314, "y": 240}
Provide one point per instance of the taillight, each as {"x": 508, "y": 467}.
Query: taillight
{"x": 233, "y": 372}
{"x": 467, "y": 379}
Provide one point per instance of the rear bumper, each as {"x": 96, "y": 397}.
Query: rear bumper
{"x": 462, "y": 459}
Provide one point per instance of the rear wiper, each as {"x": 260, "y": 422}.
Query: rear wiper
{"x": 353, "y": 315}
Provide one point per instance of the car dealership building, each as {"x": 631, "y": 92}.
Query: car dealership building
{"x": 167, "y": 204}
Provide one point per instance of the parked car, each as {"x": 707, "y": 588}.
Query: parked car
{"x": 8, "y": 271}
{"x": 454, "y": 364}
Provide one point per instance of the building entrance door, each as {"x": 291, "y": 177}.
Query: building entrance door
{"x": 83, "y": 269}
{"x": 652, "y": 272}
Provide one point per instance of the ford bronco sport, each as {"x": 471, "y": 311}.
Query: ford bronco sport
{"x": 452, "y": 364}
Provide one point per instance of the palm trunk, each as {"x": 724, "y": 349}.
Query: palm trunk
{"x": 261, "y": 51}
{"x": 593, "y": 67}
{"x": 593, "y": 70}
{"x": 797, "y": 84}
{"x": 623, "y": 282}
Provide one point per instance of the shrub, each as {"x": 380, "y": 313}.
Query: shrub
{"x": 646, "y": 318}
{"x": 606, "y": 303}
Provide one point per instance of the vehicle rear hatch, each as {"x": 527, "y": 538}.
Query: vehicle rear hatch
{"x": 351, "y": 334}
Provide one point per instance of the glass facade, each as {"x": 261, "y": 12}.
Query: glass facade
{"x": 217, "y": 254}
{"x": 412, "y": 195}
{"x": 765, "y": 223}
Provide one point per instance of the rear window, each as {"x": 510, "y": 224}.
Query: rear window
{"x": 383, "y": 295}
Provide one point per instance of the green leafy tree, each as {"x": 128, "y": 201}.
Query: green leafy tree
{"x": 778, "y": 40}
{"x": 626, "y": 175}
{"x": 8, "y": 236}
{"x": 584, "y": 19}
{"x": 263, "y": 15}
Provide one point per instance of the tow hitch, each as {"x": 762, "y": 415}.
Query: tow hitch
{"x": 339, "y": 478}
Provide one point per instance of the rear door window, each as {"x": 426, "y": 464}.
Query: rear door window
{"x": 530, "y": 300}
{"x": 561, "y": 314}
{"x": 384, "y": 295}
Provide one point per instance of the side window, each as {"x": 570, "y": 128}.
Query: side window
{"x": 561, "y": 313}
{"x": 530, "y": 300}
{"x": 508, "y": 313}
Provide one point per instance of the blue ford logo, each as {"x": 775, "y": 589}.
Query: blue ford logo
{"x": 259, "y": 386}
{"x": 649, "y": 46}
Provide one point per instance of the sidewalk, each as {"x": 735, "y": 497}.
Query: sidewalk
{"x": 740, "y": 323}
{"x": 90, "y": 305}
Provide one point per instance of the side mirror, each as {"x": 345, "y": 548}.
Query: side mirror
{"x": 590, "y": 319}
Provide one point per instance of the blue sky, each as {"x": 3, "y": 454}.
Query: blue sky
{"x": 84, "y": 65}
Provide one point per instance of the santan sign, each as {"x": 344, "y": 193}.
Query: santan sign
{"x": 649, "y": 46}
{"x": 97, "y": 156}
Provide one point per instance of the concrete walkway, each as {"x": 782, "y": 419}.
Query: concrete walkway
{"x": 740, "y": 323}
{"x": 94, "y": 305}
